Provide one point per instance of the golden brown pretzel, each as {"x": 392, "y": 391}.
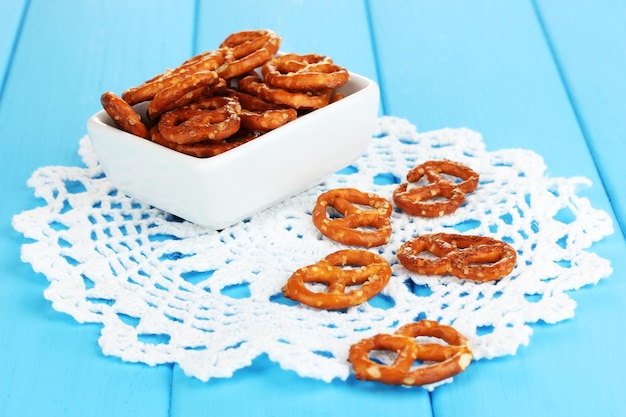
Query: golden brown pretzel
{"x": 476, "y": 258}
{"x": 338, "y": 271}
{"x": 364, "y": 221}
{"x": 247, "y": 50}
{"x": 206, "y": 61}
{"x": 252, "y": 83}
{"x": 214, "y": 118}
{"x": 258, "y": 114}
{"x": 304, "y": 72}
{"x": 448, "y": 360}
{"x": 440, "y": 195}
{"x": 123, "y": 114}
{"x": 207, "y": 148}
{"x": 169, "y": 98}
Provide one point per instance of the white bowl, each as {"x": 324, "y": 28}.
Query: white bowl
{"x": 220, "y": 191}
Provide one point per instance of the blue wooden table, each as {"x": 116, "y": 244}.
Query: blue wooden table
{"x": 545, "y": 75}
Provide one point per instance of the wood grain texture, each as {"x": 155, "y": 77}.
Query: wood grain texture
{"x": 588, "y": 39}
{"x": 11, "y": 13}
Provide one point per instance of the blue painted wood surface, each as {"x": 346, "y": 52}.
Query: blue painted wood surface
{"x": 546, "y": 75}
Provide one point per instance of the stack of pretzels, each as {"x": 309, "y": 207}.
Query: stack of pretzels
{"x": 220, "y": 99}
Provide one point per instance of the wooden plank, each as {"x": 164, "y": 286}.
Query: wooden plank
{"x": 11, "y": 13}
{"x": 487, "y": 66}
{"x": 66, "y": 58}
{"x": 589, "y": 43}
{"x": 339, "y": 30}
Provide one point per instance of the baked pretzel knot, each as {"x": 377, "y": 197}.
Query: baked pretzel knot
{"x": 367, "y": 272}
{"x": 304, "y": 72}
{"x": 476, "y": 258}
{"x": 444, "y": 360}
{"x": 362, "y": 219}
{"x": 123, "y": 114}
{"x": 437, "y": 190}
{"x": 246, "y": 50}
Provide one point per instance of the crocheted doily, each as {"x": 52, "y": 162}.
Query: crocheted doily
{"x": 168, "y": 291}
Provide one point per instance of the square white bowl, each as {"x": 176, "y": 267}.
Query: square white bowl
{"x": 222, "y": 190}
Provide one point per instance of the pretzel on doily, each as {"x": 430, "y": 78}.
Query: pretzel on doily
{"x": 441, "y": 194}
{"x": 363, "y": 218}
{"x": 476, "y": 258}
{"x": 444, "y": 360}
{"x": 368, "y": 272}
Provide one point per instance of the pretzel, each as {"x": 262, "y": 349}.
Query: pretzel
{"x": 366, "y": 226}
{"x": 476, "y": 258}
{"x": 338, "y": 271}
{"x": 206, "y": 61}
{"x": 448, "y": 360}
{"x": 168, "y": 98}
{"x": 214, "y": 118}
{"x": 247, "y": 50}
{"x": 123, "y": 114}
{"x": 258, "y": 114}
{"x": 304, "y": 72}
{"x": 208, "y": 148}
{"x": 252, "y": 83}
{"x": 440, "y": 195}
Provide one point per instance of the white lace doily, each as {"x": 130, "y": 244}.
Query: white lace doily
{"x": 168, "y": 291}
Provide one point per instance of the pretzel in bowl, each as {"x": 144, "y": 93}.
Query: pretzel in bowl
{"x": 475, "y": 258}
{"x": 214, "y": 118}
{"x": 368, "y": 272}
{"x": 206, "y": 61}
{"x": 363, "y": 219}
{"x": 207, "y": 148}
{"x": 439, "y": 361}
{"x": 168, "y": 97}
{"x": 123, "y": 114}
{"x": 253, "y": 84}
{"x": 304, "y": 72}
{"x": 441, "y": 194}
{"x": 177, "y": 115}
{"x": 260, "y": 115}
{"x": 246, "y": 50}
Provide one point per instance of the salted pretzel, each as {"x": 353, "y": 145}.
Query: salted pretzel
{"x": 476, "y": 258}
{"x": 304, "y": 72}
{"x": 206, "y": 61}
{"x": 207, "y": 148}
{"x": 441, "y": 194}
{"x": 363, "y": 219}
{"x": 123, "y": 114}
{"x": 367, "y": 271}
{"x": 252, "y": 83}
{"x": 246, "y": 50}
{"x": 260, "y": 115}
{"x": 440, "y": 361}
{"x": 214, "y": 118}
{"x": 168, "y": 98}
